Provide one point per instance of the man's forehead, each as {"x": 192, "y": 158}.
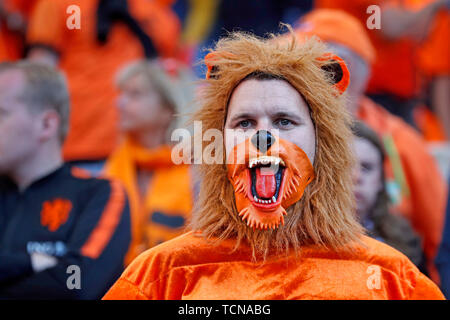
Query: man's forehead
{"x": 255, "y": 110}
{"x": 11, "y": 82}
{"x": 266, "y": 96}
{"x": 264, "y": 88}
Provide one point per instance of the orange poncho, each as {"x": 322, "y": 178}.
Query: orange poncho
{"x": 188, "y": 267}
{"x": 162, "y": 213}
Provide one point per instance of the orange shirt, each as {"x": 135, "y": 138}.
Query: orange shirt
{"x": 25, "y": 7}
{"x": 429, "y": 124}
{"x": 11, "y": 44}
{"x": 434, "y": 54}
{"x": 4, "y": 56}
{"x": 425, "y": 201}
{"x": 394, "y": 68}
{"x": 188, "y": 267}
{"x": 91, "y": 67}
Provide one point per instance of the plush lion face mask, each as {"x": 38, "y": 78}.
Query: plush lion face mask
{"x": 268, "y": 174}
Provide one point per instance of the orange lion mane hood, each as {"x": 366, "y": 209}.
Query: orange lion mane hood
{"x": 324, "y": 212}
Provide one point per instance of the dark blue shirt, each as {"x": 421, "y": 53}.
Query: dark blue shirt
{"x": 81, "y": 221}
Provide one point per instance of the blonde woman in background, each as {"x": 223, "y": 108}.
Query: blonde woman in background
{"x": 152, "y": 93}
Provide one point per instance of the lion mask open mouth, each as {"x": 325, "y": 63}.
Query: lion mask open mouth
{"x": 268, "y": 174}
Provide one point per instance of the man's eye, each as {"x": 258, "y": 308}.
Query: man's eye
{"x": 245, "y": 124}
{"x": 284, "y": 123}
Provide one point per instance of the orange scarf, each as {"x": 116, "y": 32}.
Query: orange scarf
{"x": 162, "y": 213}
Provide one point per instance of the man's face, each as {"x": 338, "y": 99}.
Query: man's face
{"x": 272, "y": 105}
{"x": 140, "y": 106}
{"x": 19, "y": 128}
{"x": 270, "y": 171}
{"x": 368, "y": 175}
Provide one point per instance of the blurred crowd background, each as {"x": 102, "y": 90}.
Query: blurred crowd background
{"x": 131, "y": 69}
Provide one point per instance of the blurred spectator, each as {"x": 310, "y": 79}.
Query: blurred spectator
{"x": 52, "y": 216}
{"x": 395, "y": 82}
{"x": 416, "y": 187}
{"x": 372, "y": 201}
{"x": 160, "y": 192}
{"x": 443, "y": 257}
{"x": 434, "y": 64}
{"x": 112, "y": 32}
{"x": 14, "y": 15}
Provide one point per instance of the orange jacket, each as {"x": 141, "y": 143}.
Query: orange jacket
{"x": 25, "y": 7}
{"x": 4, "y": 55}
{"x": 434, "y": 53}
{"x": 429, "y": 124}
{"x": 11, "y": 44}
{"x": 91, "y": 67}
{"x": 188, "y": 267}
{"x": 161, "y": 214}
{"x": 423, "y": 197}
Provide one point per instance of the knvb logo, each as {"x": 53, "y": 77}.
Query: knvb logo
{"x": 54, "y": 213}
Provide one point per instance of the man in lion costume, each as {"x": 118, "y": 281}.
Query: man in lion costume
{"x": 275, "y": 219}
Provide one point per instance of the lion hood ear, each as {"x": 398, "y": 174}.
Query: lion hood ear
{"x": 209, "y": 62}
{"x": 332, "y": 64}
{"x": 337, "y": 70}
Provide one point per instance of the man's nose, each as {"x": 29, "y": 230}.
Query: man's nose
{"x": 263, "y": 140}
